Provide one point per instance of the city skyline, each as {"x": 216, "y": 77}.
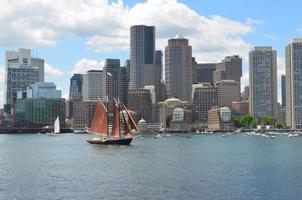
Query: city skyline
{"x": 213, "y": 32}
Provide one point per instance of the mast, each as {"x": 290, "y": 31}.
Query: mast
{"x": 126, "y": 128}
{"x": 130, "y": 119}
{"x": 116, "y": 129}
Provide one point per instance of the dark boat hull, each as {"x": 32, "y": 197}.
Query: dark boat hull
{"x": 121, "y": 141}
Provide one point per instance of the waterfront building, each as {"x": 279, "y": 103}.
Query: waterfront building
{"x": 83, "y": 113}
{"x": 93, "y": 85}
{"x": 43, "y": 89}
{"x": 140, "y": 101}
{"x": 263, "y": 82}
{"x": 205, "y": 97}
{"x": 178, "y": 68}
{"x": 294, "y": 84}
{"x": 142, "y": 50}
{"x": 242, "y": 107}
{"x": 75, "y": 88}
{"x": 205, "y": 72}
{"x": 182, "y": 119}
{"x": 228, "y": 92}
{"x": 166, "y": 110}
{"x": 283, "y": 91}
{"x": 39, "y": 112}
{"x": 220, "y": 119}
{"x": 21, "y": 70}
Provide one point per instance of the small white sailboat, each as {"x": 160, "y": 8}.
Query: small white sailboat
{"x": 56, "y": 127}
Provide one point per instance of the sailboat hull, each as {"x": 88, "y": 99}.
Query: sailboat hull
{"x": 111, "y": 141}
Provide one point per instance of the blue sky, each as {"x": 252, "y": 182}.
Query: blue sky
{"x": 77, "y": 36}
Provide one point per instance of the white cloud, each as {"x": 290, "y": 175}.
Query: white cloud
{"x": 251, "y": 21}
{"x": 51, "y": 71}
{"x": 105, "y": 26}
{"x": 85, "y": 64}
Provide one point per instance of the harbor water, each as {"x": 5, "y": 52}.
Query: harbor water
{"x": 66, "y": 167}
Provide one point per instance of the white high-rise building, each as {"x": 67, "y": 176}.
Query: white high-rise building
{"x": 263, "y": 82}
{"x": 21, "y": 70}
{"x": 294, "y": 84}
{"x": 92, "y": 85}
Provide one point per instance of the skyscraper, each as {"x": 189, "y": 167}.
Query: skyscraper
{"x": 93, "y": 85}
{"x": 111, "y": 78}
{"x": 115, "y": 83}
{"x": 142, "y": 49}
{"x": 263, "y": 82}
{"x": 75, "y": 88}
{"x": 294, "y": 83}
{"x": 21, "y": 71}
{"x": 232, "y": 66}
{"x": 205, "y": 72}
{"x": 283, "y": 91}
{"x": 178, "y": 68}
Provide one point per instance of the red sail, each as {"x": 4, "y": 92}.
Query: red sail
{"x": 99, "y": 123}
{"x": 131, "y": 120}
{"x": 116, "y": 129}
{"x": 126, "y": 128}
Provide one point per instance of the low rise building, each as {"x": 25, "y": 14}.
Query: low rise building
{"x": 220, "y": 119}
{"x": 39, "y": 112}
{"x": 241, "y": 106}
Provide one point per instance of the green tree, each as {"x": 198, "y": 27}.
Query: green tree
{"x": 247, "y": 121}
{"x": 236, "y": 122}
{"x": 267, "y": 120}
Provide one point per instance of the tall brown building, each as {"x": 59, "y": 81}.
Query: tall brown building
{"x": 205, "y": 97}
{"x": 228, "y": 92}
{"x": 178, "y": 68}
